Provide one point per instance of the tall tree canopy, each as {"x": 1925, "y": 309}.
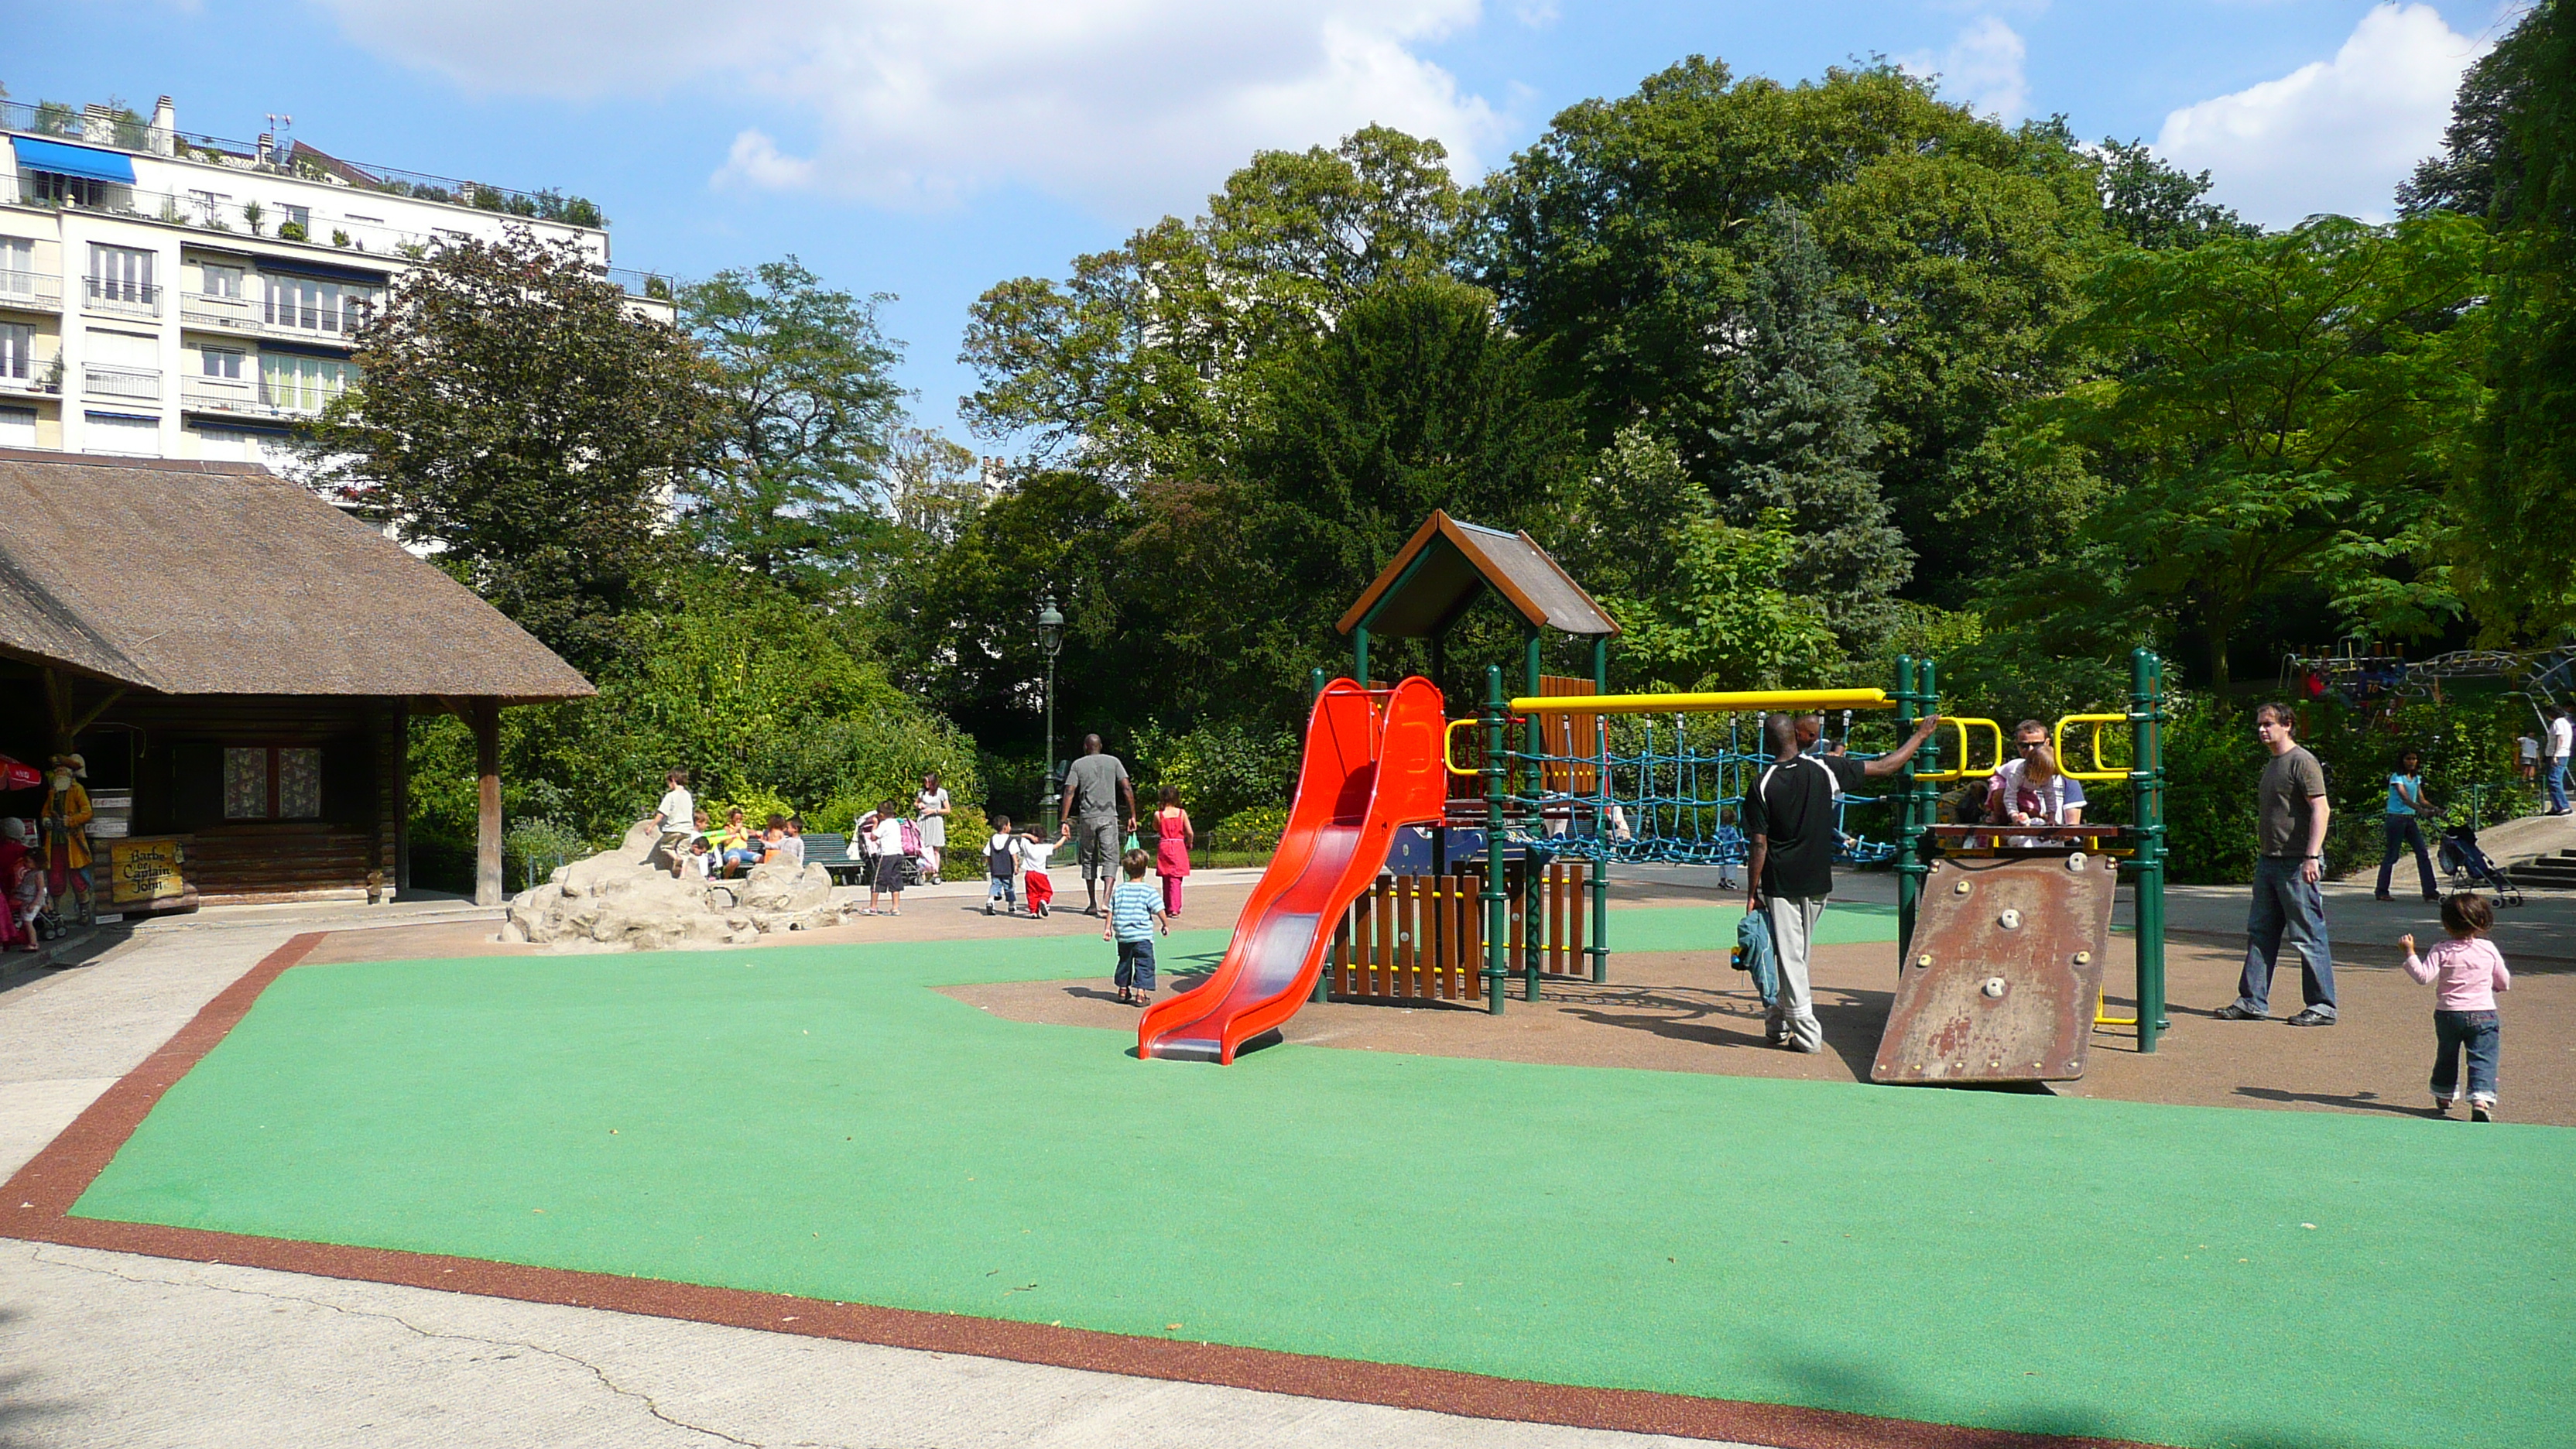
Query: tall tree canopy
{"x": 515, "y": 416}
{"x": 1136, "y": 364}
{"x": 2517, "y": 540}
{"x": 806, "y": 408}
{"x": 1624, "y": 238}
{"x": 2271, "y": 412}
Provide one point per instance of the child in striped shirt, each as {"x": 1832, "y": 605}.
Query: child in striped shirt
{"x": 1135, "y": 909}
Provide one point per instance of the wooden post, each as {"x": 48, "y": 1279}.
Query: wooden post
{"x": 487, "y": 814}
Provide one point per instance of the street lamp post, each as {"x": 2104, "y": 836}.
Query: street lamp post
{"x": 1050, "y": 639}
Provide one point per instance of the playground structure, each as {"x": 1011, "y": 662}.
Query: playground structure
{"x": 1370, "y": 894}
{"x": 2544, "y": 677}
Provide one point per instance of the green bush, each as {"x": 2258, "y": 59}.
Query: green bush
{"x": 2213, "y": 764}
{"x": 748, "y": 689}
{"x": 1254, "y": 832}
{"x": 1220, "y": 770}
{"x": 532, "y": 848}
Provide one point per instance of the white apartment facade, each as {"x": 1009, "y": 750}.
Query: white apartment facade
{"x": 168, "y": 295}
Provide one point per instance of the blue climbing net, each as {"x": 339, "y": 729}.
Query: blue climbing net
{"x": 1666, "y": 794}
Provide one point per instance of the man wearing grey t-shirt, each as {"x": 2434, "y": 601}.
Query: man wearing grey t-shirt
{"x": 2289, "y": 866}
{"x": 1093, "y": 788}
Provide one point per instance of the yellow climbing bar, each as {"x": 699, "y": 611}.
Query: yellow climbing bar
{"x": 1737, "y": 702}
{"x": 1968, "y": 771}
{"x": 2101, "y": 768}
{"x": 1448, "y": 738}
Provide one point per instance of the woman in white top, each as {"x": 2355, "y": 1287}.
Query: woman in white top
{"x": 2031, "y": 790}
{"x": 930, "y": 813}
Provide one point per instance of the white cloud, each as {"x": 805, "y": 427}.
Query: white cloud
{"x": 1120, "y": 104}
{"x": 2331, "y": 136}
{"x": 1982, "y": 67}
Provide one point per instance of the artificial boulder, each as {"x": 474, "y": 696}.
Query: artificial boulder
{"x": 618, "y": 900}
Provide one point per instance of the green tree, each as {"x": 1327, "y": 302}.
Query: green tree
{"x": 2517, "y": 542}
{"x": 2463, "y": 177}
{"x": 1728, "y": 623}
{"x": 1624, "y": 238}
{"x": 1142, "y": 357}
{"x": 807, "y": 404}
{"x": 2285, "y": 409}
{"x": 514, "y": 415}
{"x": 2155, "y": 206}
{"x": 1800, "y": 444}
{"x": 1417, "y": 399}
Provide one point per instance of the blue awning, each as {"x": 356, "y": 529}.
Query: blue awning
{"x": 82, "y": 161}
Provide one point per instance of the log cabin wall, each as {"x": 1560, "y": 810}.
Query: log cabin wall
{"x": 282, "y": 797}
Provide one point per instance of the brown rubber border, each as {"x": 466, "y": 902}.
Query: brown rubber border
{"x": 41, "y": 1195}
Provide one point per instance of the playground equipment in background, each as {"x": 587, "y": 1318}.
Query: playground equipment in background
{"x": 1545, "y": 806}
{"x": 2544, "y": 676}
{"x": 1372, "y": 763}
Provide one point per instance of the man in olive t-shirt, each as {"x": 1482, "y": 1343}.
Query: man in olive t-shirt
{"x": 2289, "y": 868}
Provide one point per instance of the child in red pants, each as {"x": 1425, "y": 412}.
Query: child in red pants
{"x": 1034, "y": 885}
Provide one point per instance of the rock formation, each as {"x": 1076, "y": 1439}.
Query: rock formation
{"x": 618, "y": 900}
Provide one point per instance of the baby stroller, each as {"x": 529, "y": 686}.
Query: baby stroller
{"x": 2471, "y": 870}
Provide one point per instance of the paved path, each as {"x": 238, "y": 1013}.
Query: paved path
{"x": 109, "y": 1349}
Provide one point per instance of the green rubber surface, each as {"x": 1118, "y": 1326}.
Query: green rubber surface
{"x": 817, "y": 1121}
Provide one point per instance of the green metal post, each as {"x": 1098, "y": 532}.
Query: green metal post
{"x": 1910, "y": 865}
{"x": 1496, "y": 924}
{"x": 1316, "y": 679}
{"x": 1359, "y": 653}
{"x": 2147, "y": 866}
{"x": 1600, "y": 948}
{"x": 1534, "y": 922}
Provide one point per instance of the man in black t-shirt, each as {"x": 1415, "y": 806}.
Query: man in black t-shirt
{"x": 1789, "y": 818}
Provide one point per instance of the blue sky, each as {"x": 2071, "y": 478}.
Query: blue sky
{"x": 930, "y": 151}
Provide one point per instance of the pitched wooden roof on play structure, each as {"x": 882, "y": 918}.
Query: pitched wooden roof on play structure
{"x": 1435, "y": 576}
{"x": 223, "y": 578}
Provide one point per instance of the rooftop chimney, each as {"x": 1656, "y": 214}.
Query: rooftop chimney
{"x": 165, "y": 128}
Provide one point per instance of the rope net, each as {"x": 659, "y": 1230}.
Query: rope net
{"x": 1651, "y": 792}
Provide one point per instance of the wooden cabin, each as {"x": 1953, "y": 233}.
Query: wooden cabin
{"x": 238, "y": 662}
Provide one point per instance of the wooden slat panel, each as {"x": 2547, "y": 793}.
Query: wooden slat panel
{"x": 1384, "y": 891}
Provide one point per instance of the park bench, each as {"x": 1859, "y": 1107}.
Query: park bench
{"x": 833, "y": 853}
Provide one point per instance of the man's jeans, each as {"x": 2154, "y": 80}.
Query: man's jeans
{"x": 2478, "y": 1031}
{"x": 2286, "y": 908}
{"x": 2557, "y": 768}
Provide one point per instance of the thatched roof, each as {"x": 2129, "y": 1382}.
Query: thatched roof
{"x": 222, "y": 578}
{"x": 1446, "y": 564}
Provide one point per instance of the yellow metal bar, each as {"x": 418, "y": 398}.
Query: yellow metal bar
{"x": 2101, "y": 1012}
{"x": 1965, "y": 770}
{"x": 1737, "y": 702}
{"x": 2100, "y": 770}
{"x": 1450, "y": 734}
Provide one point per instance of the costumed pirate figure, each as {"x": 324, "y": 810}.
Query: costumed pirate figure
{"x": 66, "y": 823}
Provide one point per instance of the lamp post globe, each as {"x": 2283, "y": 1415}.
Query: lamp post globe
{"x": 1050, "y": 640}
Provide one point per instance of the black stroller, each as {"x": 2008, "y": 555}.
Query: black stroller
{"x": 2471, "y": 870}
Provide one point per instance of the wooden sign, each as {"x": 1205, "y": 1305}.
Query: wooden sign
{"x": 145, "y": 869}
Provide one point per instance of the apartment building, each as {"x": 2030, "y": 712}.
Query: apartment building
{"x": 172, "y": 295}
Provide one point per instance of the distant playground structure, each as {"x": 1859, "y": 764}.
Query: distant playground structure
{"x": 1432, "y": 857}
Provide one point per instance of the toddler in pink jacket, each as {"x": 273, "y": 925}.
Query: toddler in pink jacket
{"x": 2466, "y": 972}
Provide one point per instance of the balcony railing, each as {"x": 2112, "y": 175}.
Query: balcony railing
{"x": 105, "y": 294}
{"x": 233, "y": 314}
{"x": 40, "y": 381}
{"x": 323, "y": 324}
{"x": 225, "y": 395}
{"x": 102, "y": 380}
{"x": 36, "y": 291}
{"x": 651, "y": 285}
{"x": 129, "y": 131}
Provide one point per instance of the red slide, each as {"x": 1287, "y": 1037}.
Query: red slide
{"x": 1371, "y": 765}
